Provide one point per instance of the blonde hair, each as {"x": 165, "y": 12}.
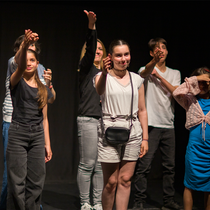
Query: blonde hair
{"x": 83, "y": 51}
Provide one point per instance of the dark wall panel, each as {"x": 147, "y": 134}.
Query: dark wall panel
{"x": 62, "y": 26}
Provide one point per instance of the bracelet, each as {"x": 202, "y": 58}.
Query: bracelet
{"x": 144, "y": 139}
{"x": 50, "y": 87}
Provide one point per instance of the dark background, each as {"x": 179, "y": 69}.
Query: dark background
{"x": 62, "y": 27}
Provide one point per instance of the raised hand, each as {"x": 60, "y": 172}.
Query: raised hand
{"x": 92, "y": 19}
{"x": 157, "y": 54}
{"x": 47, "y": 76}
{"x": 107, "y": 65}
{"x": 29, "y": 38}
{"x": 203, "y": 77}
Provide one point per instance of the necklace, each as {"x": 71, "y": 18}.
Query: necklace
{"x": 120, "y": 70}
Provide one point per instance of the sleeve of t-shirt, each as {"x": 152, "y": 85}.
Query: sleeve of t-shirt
{"x": 177, "y": 78}
{"x": 139, "y": 80}
{"x": 94, "y": 78}
{"x": 49, "y": 93}
{"x": 40, "y": 71}
{"x": 12, "y": 66}
{"x": 141, "y": 69}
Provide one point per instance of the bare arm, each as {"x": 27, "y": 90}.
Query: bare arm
{"x": 17, "y": 55}
{"x": 142, "y": 115}
{"x": 101, "y": 80}
{"x": 29, "y": 39}
{"x": 48, "y": 151}
{"x": 150, "y": 66}
{"x": 168, "y": 85}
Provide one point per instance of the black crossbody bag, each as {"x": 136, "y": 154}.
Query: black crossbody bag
{"x": 119, "y": 135}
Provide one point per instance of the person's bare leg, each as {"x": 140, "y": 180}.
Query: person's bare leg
{"x": 124, "y": 184}
{"x": 110, "y": 174}
{"x": 207, "y": 200}
{"x": 188, "y": 199}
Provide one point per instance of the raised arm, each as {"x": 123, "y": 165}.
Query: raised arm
{"x": 92, "y": 19}
{"x": 150, "y": 66}
{"x": 90, "y": 44}
{"x": 17, "y": 55}
{"x": 21, "y": 60}
{"x": 142, "y": 115}
{"x": 100, "y": 81}
{"x": 186, "y": 90}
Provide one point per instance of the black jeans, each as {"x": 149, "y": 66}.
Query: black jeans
{"x": 165, "y": 140}
{"x": 25, "y": 166}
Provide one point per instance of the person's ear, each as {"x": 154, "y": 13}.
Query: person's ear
{"x": 151, "y": 53}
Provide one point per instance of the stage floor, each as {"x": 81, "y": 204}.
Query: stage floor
{"x": 65, "y": 196}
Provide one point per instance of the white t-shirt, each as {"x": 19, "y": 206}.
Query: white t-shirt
{"x": 159, "y": 101}
{"x": 116, "y": 99}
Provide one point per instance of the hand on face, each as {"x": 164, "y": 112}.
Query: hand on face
{"x": 203, "y": 77}
{"x": 91, "y": 16}
{"x": 160, "y": 53}
{"x": 204, "y": 85}
{"x": 157, "y": 54}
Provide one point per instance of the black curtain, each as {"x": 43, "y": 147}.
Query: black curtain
{"x": 62, "y": 26}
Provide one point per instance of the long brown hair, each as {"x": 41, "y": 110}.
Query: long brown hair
{"x": 200, "y": 71}
{"x": 83, "y": 51}
{"x": 42, "y": 91}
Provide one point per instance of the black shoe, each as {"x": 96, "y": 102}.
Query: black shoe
{"x": 138, "y": 206}
{"x": 172, "y": 205}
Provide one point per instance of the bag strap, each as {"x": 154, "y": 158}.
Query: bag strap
{"x": 131, "y": 105}
{"x": 131, "y": 99}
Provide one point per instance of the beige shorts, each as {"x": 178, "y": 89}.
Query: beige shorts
{"x": 114, "y": 154}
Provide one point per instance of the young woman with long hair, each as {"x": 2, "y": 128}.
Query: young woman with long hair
{"x": 29, "y": 141}
{"x": 118, "y": 162}
{"x": 89, "y": 169}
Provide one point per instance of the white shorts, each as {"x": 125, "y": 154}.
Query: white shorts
{"x": 114, "y": 154}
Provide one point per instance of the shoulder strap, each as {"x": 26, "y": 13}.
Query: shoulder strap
{"x": 131, "y": 104}
{"x": 131, "y": 99}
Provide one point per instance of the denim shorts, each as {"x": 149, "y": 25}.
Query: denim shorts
{"x": 114, "y": 154}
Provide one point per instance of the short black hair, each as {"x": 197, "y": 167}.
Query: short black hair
{"x": 20, "y": 39}
{"x": 154, "y": 42}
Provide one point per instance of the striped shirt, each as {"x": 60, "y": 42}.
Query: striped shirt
{"x": 7, "y": 104}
